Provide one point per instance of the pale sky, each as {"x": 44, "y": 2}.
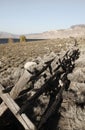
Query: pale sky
{"x": 35, "y": 16}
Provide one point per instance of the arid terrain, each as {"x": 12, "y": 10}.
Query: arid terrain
{"x": 14, "y": 56}
{"x": 73, "y": 31}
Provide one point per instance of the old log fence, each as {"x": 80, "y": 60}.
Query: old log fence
{"x": 47, "y": 76}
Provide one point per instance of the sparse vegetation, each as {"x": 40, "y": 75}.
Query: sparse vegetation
{"x": 22, "y": 38}
{"x": 10, "y": 41}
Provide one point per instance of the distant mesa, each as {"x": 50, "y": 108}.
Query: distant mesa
{"x": 78, "y": 26}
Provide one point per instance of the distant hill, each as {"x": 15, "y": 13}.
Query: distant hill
{"x": 78, "y": 26}
{"x": 73, "y": 31}
{"x": 8, "y": 35}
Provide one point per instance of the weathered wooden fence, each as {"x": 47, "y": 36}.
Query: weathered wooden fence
{"x": 47, "y": 76}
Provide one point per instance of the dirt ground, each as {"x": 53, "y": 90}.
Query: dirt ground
{"x": 14, "y": 56}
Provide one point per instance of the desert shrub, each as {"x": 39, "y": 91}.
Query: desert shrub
{"x": 10, "y": 40}
{"x": 22, "y": 38}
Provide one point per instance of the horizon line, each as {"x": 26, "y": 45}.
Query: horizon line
{"x": 74, "y": 25}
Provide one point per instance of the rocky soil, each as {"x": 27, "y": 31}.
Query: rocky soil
{"x": 73, "y": 106}
{"x": 14, "y": 56}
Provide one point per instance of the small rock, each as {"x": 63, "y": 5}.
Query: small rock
{"x": 28, "y": 65}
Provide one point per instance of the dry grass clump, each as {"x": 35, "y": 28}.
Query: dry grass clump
{"x": 10, "y": 41}
{"x": 22, "y": 38}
